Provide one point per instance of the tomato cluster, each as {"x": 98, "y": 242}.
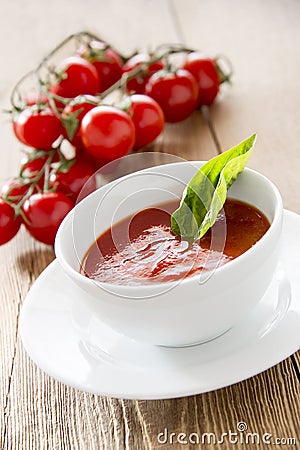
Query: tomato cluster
{"x": 74, "y": 101}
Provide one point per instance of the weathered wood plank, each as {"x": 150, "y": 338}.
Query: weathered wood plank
{"x": 259, "y": 38}
{"x": 21, "y": 262}
{"x": 41, "y": 413}
{"x": 54, "y": 416}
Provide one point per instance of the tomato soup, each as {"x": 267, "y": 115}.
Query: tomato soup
{"x": 142, "y": 248}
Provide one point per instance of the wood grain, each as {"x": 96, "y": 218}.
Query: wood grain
{"x": 39, "y": 413}
{"x": 75, "y": 420}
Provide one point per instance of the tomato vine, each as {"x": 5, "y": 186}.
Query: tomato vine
{"x": 76, "y": 99}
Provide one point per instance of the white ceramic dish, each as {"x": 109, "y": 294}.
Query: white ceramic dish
{"x": 181, "y": 313}
{"x": 69, "y": 343}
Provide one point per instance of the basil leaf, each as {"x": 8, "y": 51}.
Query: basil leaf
{"x": 205, "y": 195}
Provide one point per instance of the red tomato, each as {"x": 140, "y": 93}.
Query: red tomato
{"x": 44, "y": 213}
{"x": 14, "y": 190}
{"x": 176, "y": 93}
{"x": 105, "y": 60}
{"x": 148, "y": 119}
{"x": 205, "y": 73}
{"x": 9, "y": 225}
{"x": 107, "y": 133}
{"x": 32, "y": 168}
{"x": 77, "y": 76}
{"x": 82, "y": 107}
{"x": 138, "y": 83}
{"x": 79, "y": 176}
{"x": 38, "y": 129}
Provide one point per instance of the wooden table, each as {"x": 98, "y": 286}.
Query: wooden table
{"x": 262, "y": 40}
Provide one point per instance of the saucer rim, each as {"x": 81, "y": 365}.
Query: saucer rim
{"x": 155, "y": 393}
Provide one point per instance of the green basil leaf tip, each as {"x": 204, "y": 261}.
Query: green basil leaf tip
{"x": 205, "y": 195}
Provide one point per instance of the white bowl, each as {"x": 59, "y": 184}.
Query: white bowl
{"x": 192, "y": 310}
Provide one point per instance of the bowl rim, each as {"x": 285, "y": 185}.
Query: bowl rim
{"x": 126, "y": 289}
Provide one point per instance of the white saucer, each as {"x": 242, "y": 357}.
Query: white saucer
{"x": 64, "y": 340}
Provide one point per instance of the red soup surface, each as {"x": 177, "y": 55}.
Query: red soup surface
{"x": 142, "y": 248}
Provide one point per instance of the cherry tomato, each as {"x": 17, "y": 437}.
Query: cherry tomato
{"x": 176, "y": 93}
{"x": 32, "y": 168}
{"x": 79, "y": 176}
{"x": 77, "y": 76}
{"x": 205, "y": 73}
{"x": 105, "y": 60}
{"x": 107, "y": 133}
{"x": 81, "y": 106}
{"x": 138, "y": 83}
{"x": 9, "y": 225}
{"x": 148, "y": 119}
{"x": 38, "y": 129}
{"x": 44, "y": 213}
{"x": 14, "y": 190}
